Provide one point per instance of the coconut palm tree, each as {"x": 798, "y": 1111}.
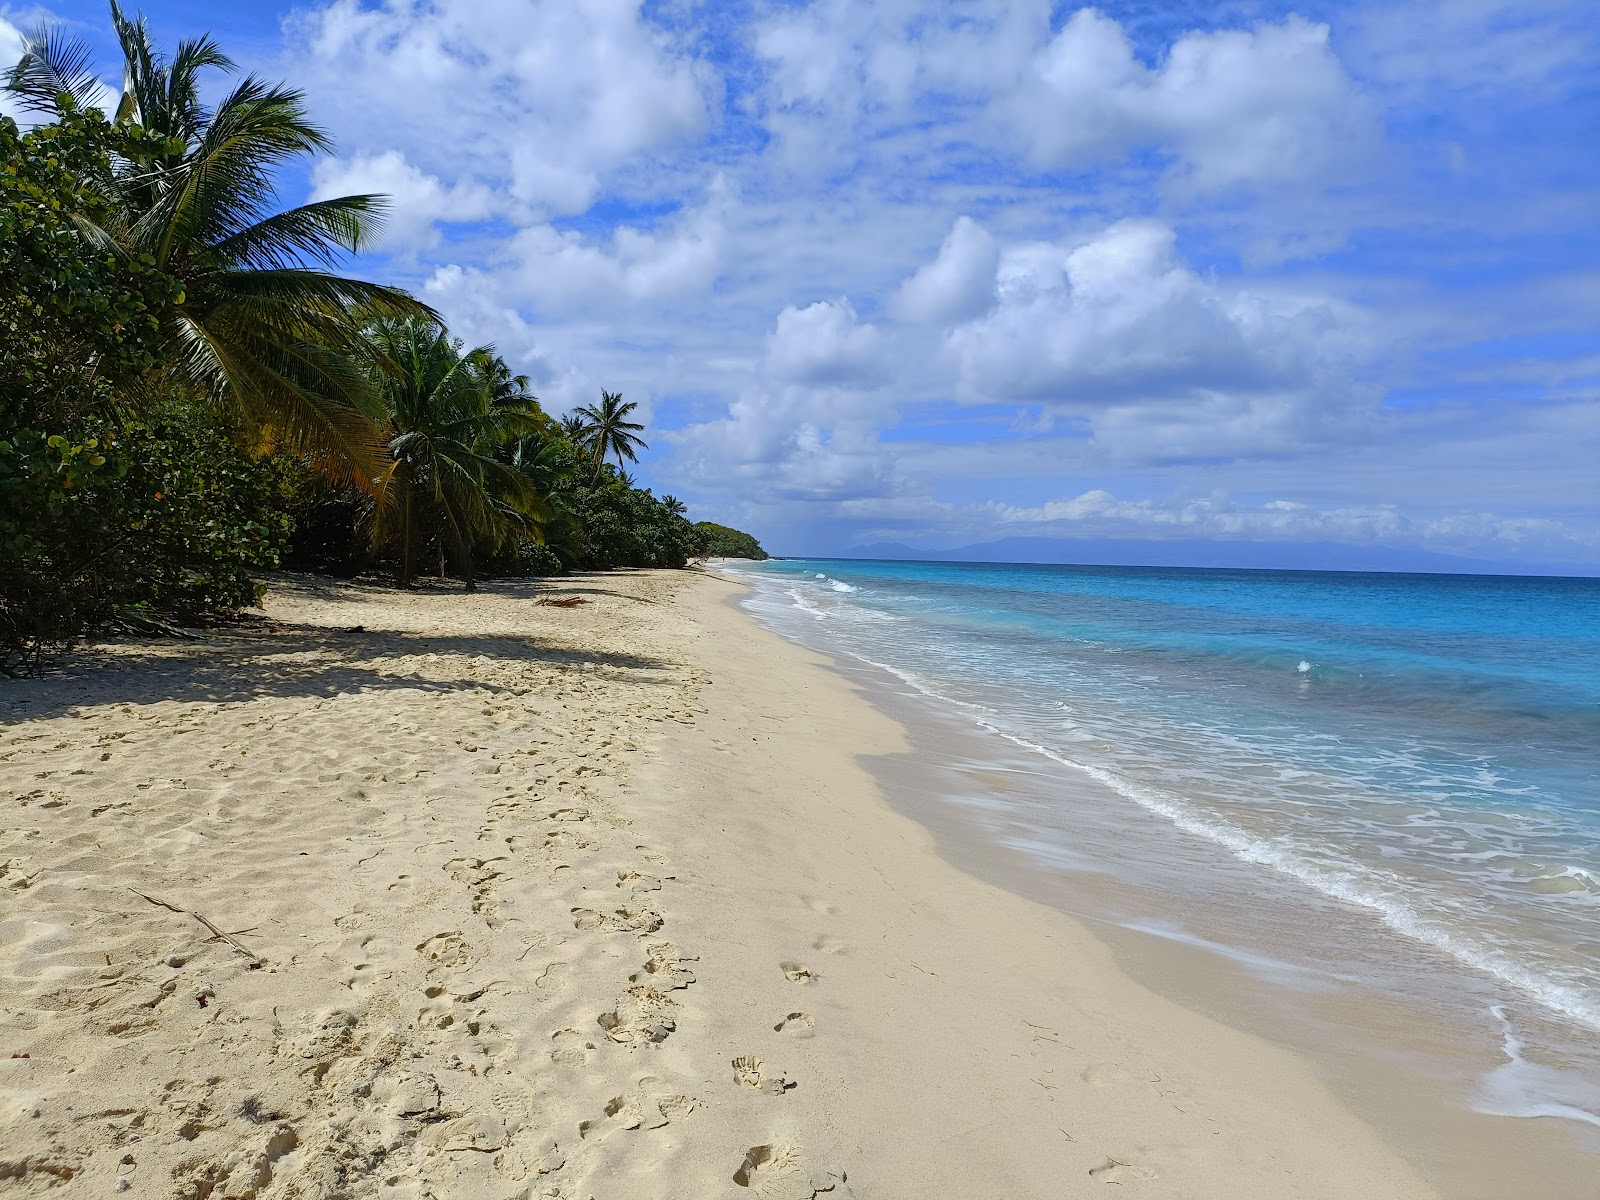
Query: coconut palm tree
{"x": 442, "y": 422}
{"x": 606, "y": 430}
{"x": 264, "y": 329}
{"x": 674, "y": 506}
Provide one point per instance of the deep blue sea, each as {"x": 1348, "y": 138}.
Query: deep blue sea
{"x": 1425, "y": 748}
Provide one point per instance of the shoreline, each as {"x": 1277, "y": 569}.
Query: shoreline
{"x": 1389, "y": 1055}
{"x": 1409, "y": 1069}
{"x": 566, "y": 902}
{"x": 1050, "y": 1028}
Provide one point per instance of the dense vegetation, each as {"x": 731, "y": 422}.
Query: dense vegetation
{"x": 190, "y": 393}
{"x": 722, "y": 542}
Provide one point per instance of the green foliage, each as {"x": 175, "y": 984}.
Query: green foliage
{"x": 185, "y": 379}
{"x": 598, "y": 521}
{"x": 79, "y": 319}
{"x": 165, "y": 518}
{"x": 719, "y": 541}
{"x": 260, "y": 327}
{"x": 605, "y": 430}
{"x": 443, "y": 411}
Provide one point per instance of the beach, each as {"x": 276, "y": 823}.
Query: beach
{"x": 413, "y": 894}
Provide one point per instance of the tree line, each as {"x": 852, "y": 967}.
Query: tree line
{"x": 191, "y": 393}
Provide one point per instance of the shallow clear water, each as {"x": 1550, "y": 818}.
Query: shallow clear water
{"x": 1424, "y": 748}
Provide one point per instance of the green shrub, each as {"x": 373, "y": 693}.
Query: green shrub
{"x": 163, "y": 520}
{"x": 719, "y": 541}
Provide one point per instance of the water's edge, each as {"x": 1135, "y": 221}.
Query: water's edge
{"x": 1416, "y": 1075}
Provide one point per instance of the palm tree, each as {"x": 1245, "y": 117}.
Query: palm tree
{"x": 264, "y": 328}
{"x": 441, "y": 423}
{"x": 606, "y": 430}
{"x": 674, "y": 506}
{"x": 505, "y": 389}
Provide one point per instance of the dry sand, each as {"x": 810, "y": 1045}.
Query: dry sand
{"x": 591, "y": 902}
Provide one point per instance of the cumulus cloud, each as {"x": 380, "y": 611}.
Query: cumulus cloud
{"x": 1120, "y": 329}
{"x": 825, "y": 343}
{"x": 1232, "y": 106}
{"x": 793, "y": 443}
{"x": 1271, "y": 103}
{"x": 958, "y": 283}
{"x": 549, "y": 164}
{"x": 540, "y": 102}
{"x": 417, "y": 201}
{"x": 548, "y": 269}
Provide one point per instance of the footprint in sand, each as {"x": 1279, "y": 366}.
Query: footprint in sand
{"x": 621, "y": 920}
{"x": 552, "y": 977}
{"x": 1114, "y": 1170}
{"x": 795, "y": 973}
{"x": 797, "y": 1024}
{"x": 778, "y": 1172}
{"x": 829, "y": 945}
{"x": 642, "y": 1014}
{"x": 751, "y": 1072}
{"x": 445, "y": 949}
{"x": 821, "y": 907}
{"x": 664, "y": 968}
{"x": 648, "y": 1107}
{"x": 571, "y": 1048}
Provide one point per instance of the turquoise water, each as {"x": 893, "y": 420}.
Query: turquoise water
{"x": 1425, "y": 748}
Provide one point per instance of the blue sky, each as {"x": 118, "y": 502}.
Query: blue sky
{"x": 942, "y": 274}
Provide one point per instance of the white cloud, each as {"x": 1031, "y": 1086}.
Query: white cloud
{"x": 957, "y": 284}
{"x": 541, "y": 102}
{"x": 1269, "y": 104}
{"x": 553, "y": 270}
{"x": 1099, "y": 513}
{"x": 1233, "y": 106}
{"x": 1508, "y": 51}
{"x": 1164, "y": 362}
{"x": 12, "y": 41}
{"x": 10, "y": 53}
{"x": 791, "y": 443}
{"x": 417, "y": 201}
{"x": 824, "y": 343}
{"x": 852, "y": 137}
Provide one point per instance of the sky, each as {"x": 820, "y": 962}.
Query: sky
{"x": 1314, "y": 275}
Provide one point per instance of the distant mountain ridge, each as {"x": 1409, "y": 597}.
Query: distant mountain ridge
{"x": 1198, "y": 552}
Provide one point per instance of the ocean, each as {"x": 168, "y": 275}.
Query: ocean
{"x": 1418, "y": 754}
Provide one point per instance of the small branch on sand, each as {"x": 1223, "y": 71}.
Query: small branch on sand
{"x": 255, "y": 960}
{"x": 561, "y": 601}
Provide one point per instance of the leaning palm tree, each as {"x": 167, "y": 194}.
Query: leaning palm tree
{"x": 606, "y": 430}
{"x": 264, "y": 329}
{"x": 441, "y": 425}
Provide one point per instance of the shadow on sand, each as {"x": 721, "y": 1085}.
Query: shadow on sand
{"x": 262, "y": 658}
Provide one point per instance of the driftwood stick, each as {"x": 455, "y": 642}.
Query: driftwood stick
{"x": 255, "y": 960}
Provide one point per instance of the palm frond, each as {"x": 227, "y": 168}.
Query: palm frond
{"x": 53, "y": 65}
{"x": 321, "y": 232}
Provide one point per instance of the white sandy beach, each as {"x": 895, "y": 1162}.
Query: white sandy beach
{"x": 586, "y": 903}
